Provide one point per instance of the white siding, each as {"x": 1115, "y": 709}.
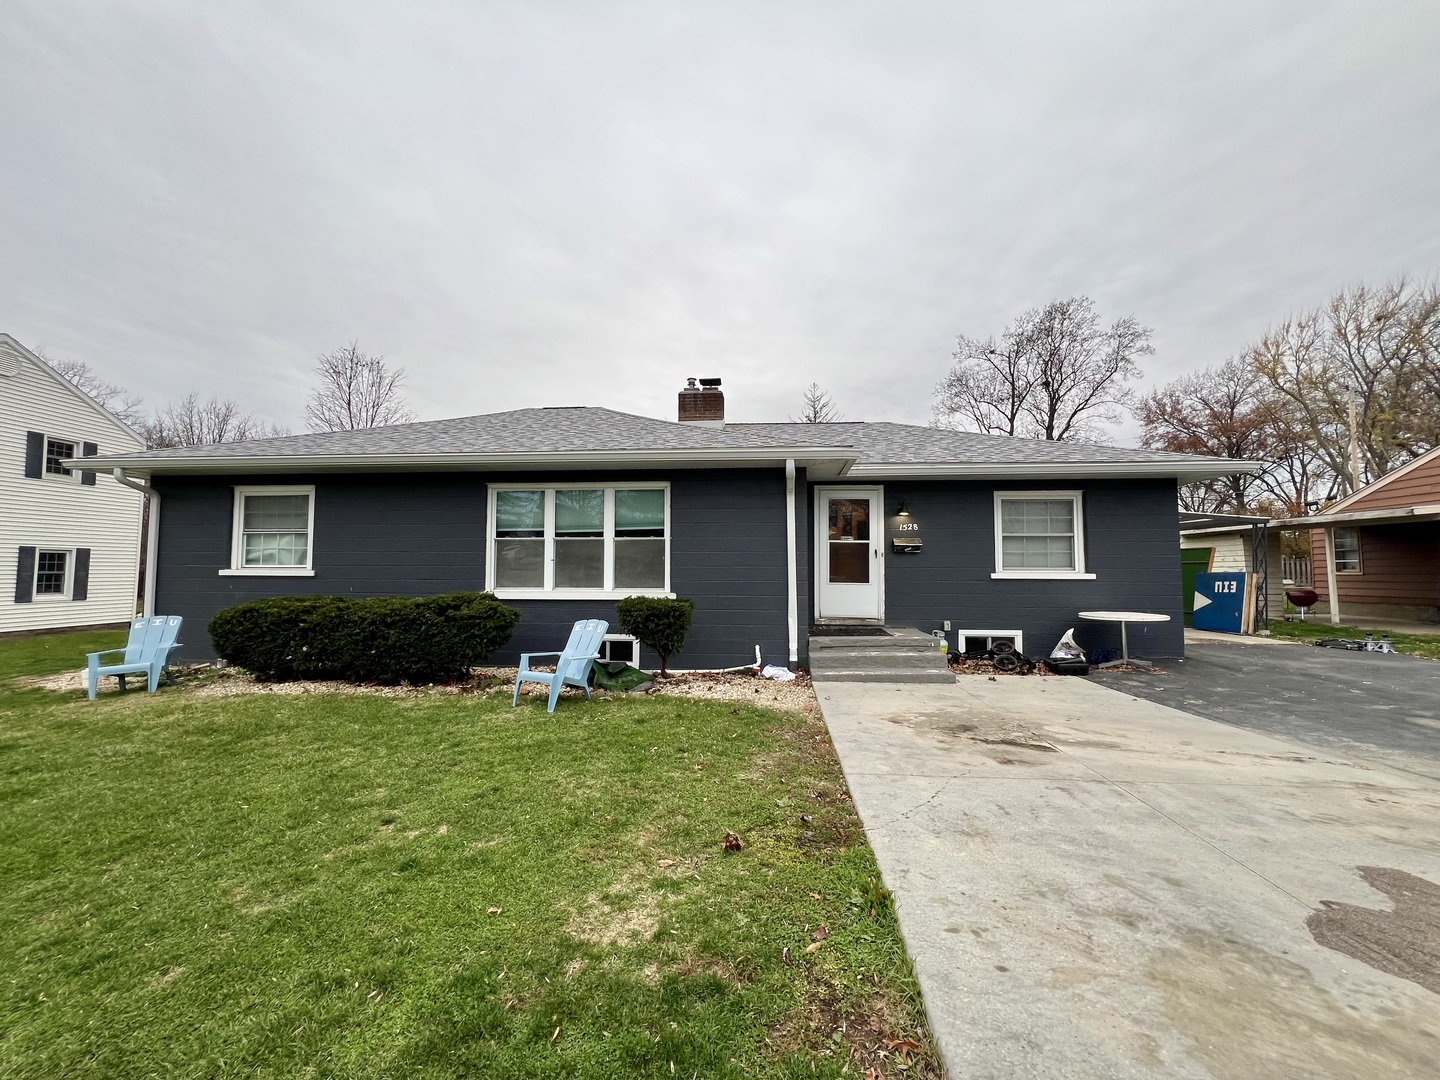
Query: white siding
{"x": 1229, "y": 557}
{"x": 60, "y": 512}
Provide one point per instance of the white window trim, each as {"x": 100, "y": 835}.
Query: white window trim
{"x": 990, "y": 636}
{"x": 61, "y": 478}
{"x": 549, "y": 592}
{"x": 36, "y": 596}
{"x": 1077, "y": 574}
{"x": 1359, "y": 553}
{"x": 237, "y": 533}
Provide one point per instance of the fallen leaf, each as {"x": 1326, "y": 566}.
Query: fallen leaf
{"x": 820, "y": 934}
{"x": 494, "y": 911}
{"x": 665, "y": 864}
{"x": 556, "y": 1035}
{"x": 804, "y": 819}
{"x": 813, "y": 946}
{"x": 733, "y": 842}
{"x": 785, "y": 955}
{"x": 902, "y": 1048}
{"x": 816, "y": 896}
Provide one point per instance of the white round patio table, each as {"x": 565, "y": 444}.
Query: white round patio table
{"x": 1123, "y": 617}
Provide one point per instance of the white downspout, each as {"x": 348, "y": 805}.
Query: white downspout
{"x": 152, "y": 538}
{"x": 790, "y": 552}
{"x": 1330, "y": 583}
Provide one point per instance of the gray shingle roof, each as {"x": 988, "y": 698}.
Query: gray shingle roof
{"x": 910, "y": 444}
{"x": 591, "y": 429}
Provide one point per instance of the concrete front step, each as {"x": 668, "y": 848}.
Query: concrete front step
{"x": 904, "y": 655}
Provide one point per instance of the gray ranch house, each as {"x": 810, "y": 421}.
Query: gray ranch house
{"x": 770, "y": 528}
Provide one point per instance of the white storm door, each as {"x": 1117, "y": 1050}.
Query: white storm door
{"x": 851, "y": 537}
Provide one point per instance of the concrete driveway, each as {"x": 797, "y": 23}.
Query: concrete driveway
{"x": 1373, "y": 705}
{"x": 1095, "y": 885}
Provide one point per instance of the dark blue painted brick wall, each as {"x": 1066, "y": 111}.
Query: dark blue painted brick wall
{"x": 420, "y": 534}
{"x": 1132, "y": 547}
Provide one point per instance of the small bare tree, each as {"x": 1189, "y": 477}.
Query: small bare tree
{"x": 818, "y": 408}
{"x": 192, "y": 422}
{"x": 356, "y": 391}
{"x": 115, "y": 399}
{"x": 1055, "y": 374}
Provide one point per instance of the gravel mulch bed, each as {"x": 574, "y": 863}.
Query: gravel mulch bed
{"x": 202, "y": 681}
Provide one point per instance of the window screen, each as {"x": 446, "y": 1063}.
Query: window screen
{"x": 1347, "y": 551}
{"x": 1037, "y": 534}
{"x": 520, "y": 539}
{"x": 275, "y": 530}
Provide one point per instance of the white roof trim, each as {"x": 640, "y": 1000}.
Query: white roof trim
{"x": 689, "y": 457}
{"x": 1376, "y": 485}
{"x": 75, "y": 391}
{"x": 1186, "y": 472}
{"x": 1400, "y": 514}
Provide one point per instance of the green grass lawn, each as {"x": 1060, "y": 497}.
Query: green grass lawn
{"x": 1427, "y": 645}
{"x": 432, "y": 886}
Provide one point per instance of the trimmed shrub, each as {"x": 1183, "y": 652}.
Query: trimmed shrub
{"x": 658, "y": 622}
{"x": 384, "y": 639}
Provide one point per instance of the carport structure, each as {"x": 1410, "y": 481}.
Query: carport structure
{"x": 1379, "y": 548}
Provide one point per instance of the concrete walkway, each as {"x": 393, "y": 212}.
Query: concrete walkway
{"x": 1093, "y": 885}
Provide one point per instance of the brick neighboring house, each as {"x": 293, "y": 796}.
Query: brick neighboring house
{"x": 1378, "y": 551}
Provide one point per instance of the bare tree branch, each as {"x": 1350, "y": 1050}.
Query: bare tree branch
{"x": 818, "y": 407}
{"x": 192, "y": 422}
{"x": 116, "y": 400}
{"x": 356, "y": 391}
{"x": 1055, "y": 374}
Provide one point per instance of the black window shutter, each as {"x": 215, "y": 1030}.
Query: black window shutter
{"x": 25, "y": 576}
{"x": 80, "y": 580}
{"x": 34, "y": 454}
{"x": 88, "y": 449}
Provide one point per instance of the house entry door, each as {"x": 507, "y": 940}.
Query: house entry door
{"x": 851, "y": 539}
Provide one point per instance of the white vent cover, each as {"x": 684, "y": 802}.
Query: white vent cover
{"x": 11, "y": 361}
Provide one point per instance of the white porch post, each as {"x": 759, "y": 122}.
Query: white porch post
{"x": 1330, "y": 582}
{"x": 793, "y": 609}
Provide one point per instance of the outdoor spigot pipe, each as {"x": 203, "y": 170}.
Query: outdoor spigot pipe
{"x": 793, "y": 611}
{"x": 152, "y": 537}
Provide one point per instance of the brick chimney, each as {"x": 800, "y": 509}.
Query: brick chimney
{"x": 703, "y": 404}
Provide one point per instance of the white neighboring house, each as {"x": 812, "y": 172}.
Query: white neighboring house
{"x": 69, "y": 539}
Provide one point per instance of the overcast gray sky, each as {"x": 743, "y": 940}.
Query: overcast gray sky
{"x": 544, "y": 203}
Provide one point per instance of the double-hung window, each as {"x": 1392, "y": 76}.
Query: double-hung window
{"x": 52, "y": 573}
{"x": 1347, "y": 551}
{"x": 1039, "y": 534}
{"x": 579, "y": 540}
{"x": 273, "y": 531}
{"x": 56, "y": 452}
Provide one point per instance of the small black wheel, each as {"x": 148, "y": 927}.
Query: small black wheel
{"x": 1006, "y": 662}
{"x": 1003, "y": 647}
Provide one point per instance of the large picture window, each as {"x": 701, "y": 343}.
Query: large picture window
{"x": 273, "y": 531}
{"x": 579, "y": 540}
{"x": 1038, "y": 534}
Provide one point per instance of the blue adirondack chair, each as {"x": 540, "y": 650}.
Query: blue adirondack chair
{"x": 147, "y": 652}
{"x": 572, "y": 666}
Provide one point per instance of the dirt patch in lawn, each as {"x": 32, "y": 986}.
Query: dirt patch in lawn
{"x": 1404, "y": 942}
{"x": 872, "y": 1033}
{"x": 622, "y": 915}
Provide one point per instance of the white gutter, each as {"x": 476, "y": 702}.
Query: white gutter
{"x": 152, "y": 537}
{"x": 688, "y": 457}
{"x": 793, "y": 607}
{"x": 1185, "y": 472}
{"x": 1398, "y": 516}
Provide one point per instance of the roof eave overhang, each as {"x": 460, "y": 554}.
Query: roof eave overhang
{"x": 1404, "y": 515}
{"x": 829, "y": 459}
{"x": 1217, "y": 530}
{"x": 1185, "y": 473}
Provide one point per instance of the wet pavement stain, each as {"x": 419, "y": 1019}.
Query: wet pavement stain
{"x": 1404, "y": 942}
